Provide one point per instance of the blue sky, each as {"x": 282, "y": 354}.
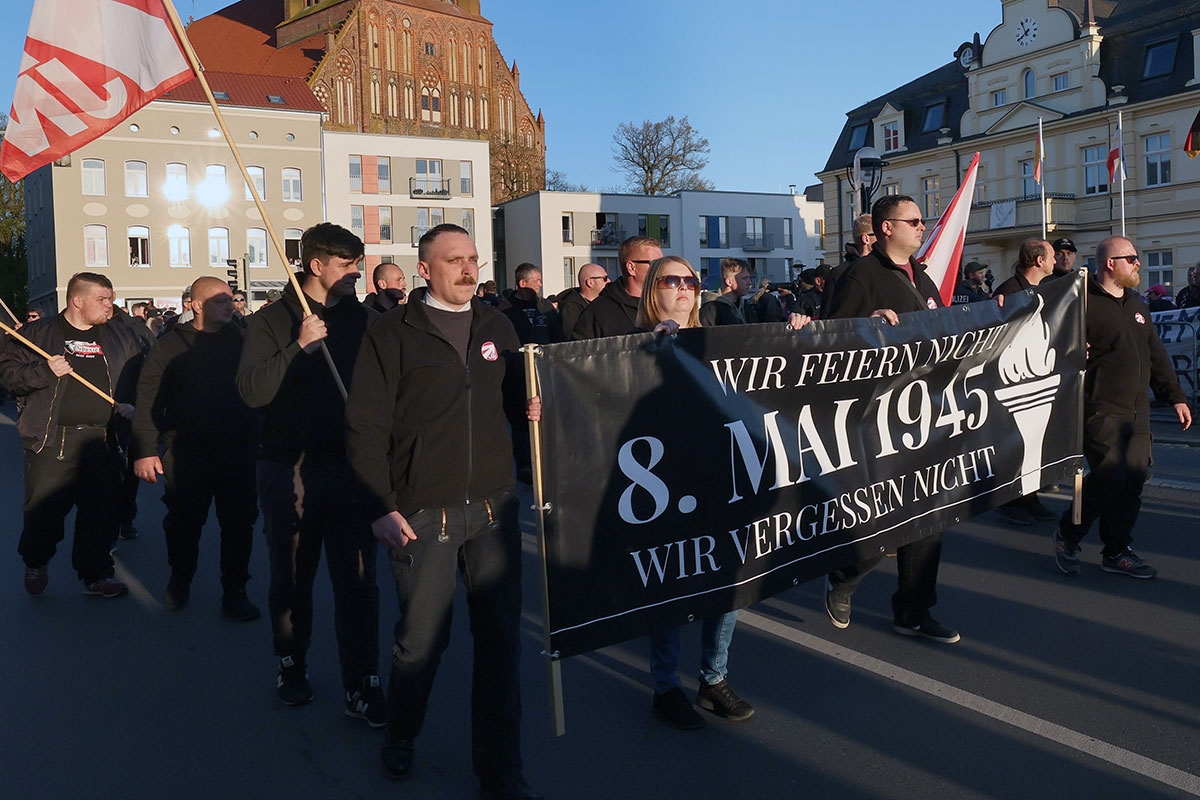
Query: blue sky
{"x": 768, "y": 85}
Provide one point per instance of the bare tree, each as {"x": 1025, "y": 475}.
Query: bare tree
{"x": 556, "y": 181}
{"x": 661, "y": 157}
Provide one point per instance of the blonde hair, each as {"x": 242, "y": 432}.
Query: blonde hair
{"x": 649, "y": 313}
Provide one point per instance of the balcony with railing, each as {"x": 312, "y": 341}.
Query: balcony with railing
{"x": 758, "y": 243}
{"x": 429, "y": 188}
{"x": 1021, "y": 215}
{"x": 607, "y": 238}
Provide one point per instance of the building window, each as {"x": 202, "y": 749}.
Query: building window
{"x": 218, "y": 246}
{"x": 1028, "y": 80}
{"x": 929, "y": 193}
{"x": 95, "y": 246}
{"x": 755, "y": 236}
{"x": 291, "y": 245}
{"x": 1062, "y": 82}
{"x": 468, "y": 221}
{"x": 292, "y": 186}
{"x": 787, "y": 232}
{"x": 1028, "y": 184}
{"x": 385, "y": 224}
{"x": 215, "y": 190}
{"x": 858, "y": 137}
{"x": 703, "y": 231}
{"x": 999, "y": 98}
{"x": 464, "y": 173}
{"x": 1160, "y": 59}
{"x": 1095, "y": 170}
{"x": 1158, "y": 160}
{"x": 429, "y": 176}
{"x": 136, "y": 184}
{"x": 568, "y": 271}
{"x": 655, "y": 226}
{"x": 176, "y": 187}
{"x": 1160, "y": 268}
{"x": 139, "y": 245}
{"x": 179, "y": 246}
{"x": 356, "y": 173}
{"x": 935, "y": 118}
{"x": 714, "y": 232}
{"x": 256, "y": 247}
{"x": 891, "y": 136}
{"x": 93, "y": 176}
{"x": 259, "y": 177}
{"x": 568, "y": 229}
{"x": 430, "y": 49}
{"x": 356, "y": 221}
{"x": 383, "y": 167}
{"x": 426, "y": 218}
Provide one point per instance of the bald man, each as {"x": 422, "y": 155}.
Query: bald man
{"x": 571, "y": 303}
{"x": 187, "y": 396}
{"x": 391, "y": 288}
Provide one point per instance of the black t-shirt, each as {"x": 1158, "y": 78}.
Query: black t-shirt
{"x": 80, "y": 405}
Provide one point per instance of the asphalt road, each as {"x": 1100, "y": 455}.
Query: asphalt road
{"x": 1062, "y": 687}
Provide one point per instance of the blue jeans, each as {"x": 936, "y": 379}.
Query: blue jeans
{"x": 715, "y": 635}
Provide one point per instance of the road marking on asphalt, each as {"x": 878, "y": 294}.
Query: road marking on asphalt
{"x": 1088, "y": 745}
{"x": 137, "y": 589}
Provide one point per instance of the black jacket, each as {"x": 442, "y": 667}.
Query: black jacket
{"x": 1017, "y": 283}
{"x": 382, "y": 302}
{"x": 425, "y": 430}
{"x": 966, "y": 292}
{"x": 721, "y": 310}
{"x": 874, "y": 282}
{"x": 613, "y": 313}
{"x": 26, "y": 375}
{"x": 303, "y": 406}
{"x": 1125, "y": 356}
{"x": 536, "y": 321}
{"x": 571, "y": 305}
{"x": 188, "y": 392}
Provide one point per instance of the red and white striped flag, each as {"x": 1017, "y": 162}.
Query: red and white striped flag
{"x": 942, "y": 252}
{"x": 87, "y": 65}
{"x": 1039, "y": 155}
{"x": 1116, "y": 157}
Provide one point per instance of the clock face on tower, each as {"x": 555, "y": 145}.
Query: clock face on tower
{"x": 1026, "y": 31}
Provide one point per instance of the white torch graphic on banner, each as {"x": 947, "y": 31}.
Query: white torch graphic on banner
{"x": 1027, "y": 371}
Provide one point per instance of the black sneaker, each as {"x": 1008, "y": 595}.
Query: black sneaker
{"x": 292, "y": 684}
{"x": 397, "y": 758}
{"x": 930, "y": 629}
{"x": 236, "y": 605}
{"x": 1066, "y": 555}
{"x": 36, "y": 580}
{"x": 367, "y": 702}
{"x": 673, "y": 708}
{"x": 722, "y": 700}
{"x": 1013, "y": 513}
{"x": 128, "y": 530}
{"x": 837, "y": 605}
{"x": 511, "y": 789}
{"x": 177, "y": 594}
{"x": 1128, "y": 563}
{"x": 1035, "y": 509}
{"x": 105, "y": 587}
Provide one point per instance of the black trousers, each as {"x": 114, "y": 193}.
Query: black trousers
{"x": 1118, "y": 451}
{"x": 482, "y": 542}
{"x": 917, "y": 564}
{"x": 76, "y": 468}
{"x": 196, "y": 476}
{"x": 305, "y": 507}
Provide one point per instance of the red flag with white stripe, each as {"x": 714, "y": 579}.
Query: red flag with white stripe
{"x": 942, "y": 251}
{"x": 87, "y": 65}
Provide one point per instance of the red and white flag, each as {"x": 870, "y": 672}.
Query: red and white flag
{"x": 1116, "y": 156}
{"x": 942, "y": 252}
{"x": 87, "y": 65}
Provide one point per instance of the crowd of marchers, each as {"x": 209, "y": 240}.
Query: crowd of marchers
{"x": 402, "y": 421}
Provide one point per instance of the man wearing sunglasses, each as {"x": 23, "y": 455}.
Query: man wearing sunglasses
{"x": 1124, "y": 357}
{"x": 614, "y": 311}
{"x": 886, "y": 282}
{"x": 571, "y": 303}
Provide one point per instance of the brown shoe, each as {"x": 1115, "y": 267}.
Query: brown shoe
{"x": 105, "y": 587}
{"x": 36, "y": 579}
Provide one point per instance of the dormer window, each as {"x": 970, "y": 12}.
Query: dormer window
{"x": 858, "y": 136}
{"x": 889, "y": 129}
{"x": 891, "y": 136}
{"x": 935, "y": 117}
{"x": 1160, "y": 59}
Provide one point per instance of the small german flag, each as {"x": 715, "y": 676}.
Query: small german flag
{"x": 1192, "y": 145}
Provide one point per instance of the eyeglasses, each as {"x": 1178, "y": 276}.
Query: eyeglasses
{"x": 915, "y": 222}
{"x": 1133, "y": 259}
{"x": 675, "y": 281}
{"x": 604, "y": 278}
{"x": 641, "y": 261}
{"x": 31, "y": 317}
{"x": 239, "y": 299}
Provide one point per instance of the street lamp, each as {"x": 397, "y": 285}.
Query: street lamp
{"x": 866, "y": 175}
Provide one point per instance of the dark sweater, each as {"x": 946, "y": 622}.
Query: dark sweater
{"x": 571, "y": 305}
{"x": 874, "y": 282}
{"x": 613, "y": 313}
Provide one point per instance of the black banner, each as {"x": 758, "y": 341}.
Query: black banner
{"x": 692, "y": 475}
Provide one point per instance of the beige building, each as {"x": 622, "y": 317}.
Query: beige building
{"x": 159, "y": 201}
{"x": 1074, "y": 64}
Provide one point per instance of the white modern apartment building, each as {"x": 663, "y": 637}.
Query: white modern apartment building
{"x": 391, "y": 189}
{"x": 562, "y": 231}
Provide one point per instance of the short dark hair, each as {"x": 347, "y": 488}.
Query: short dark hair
{"x": 631, "y": 244}
{"x": 381, "y": 270}
{"x": 431, "y": 235}
{"x": 81, "y": 279}
{"x": 884, "y": 208}
{"x": 325, "y": 240}
{"x": 524, "y": 270}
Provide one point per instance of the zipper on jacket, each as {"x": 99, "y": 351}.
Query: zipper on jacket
{"x": 442, "y": 537}
{"x": 470, "y": 432}
{"x": 62, "y": 447}
{"x": 491, "y": 516}
{"x": 49, "y": 418}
